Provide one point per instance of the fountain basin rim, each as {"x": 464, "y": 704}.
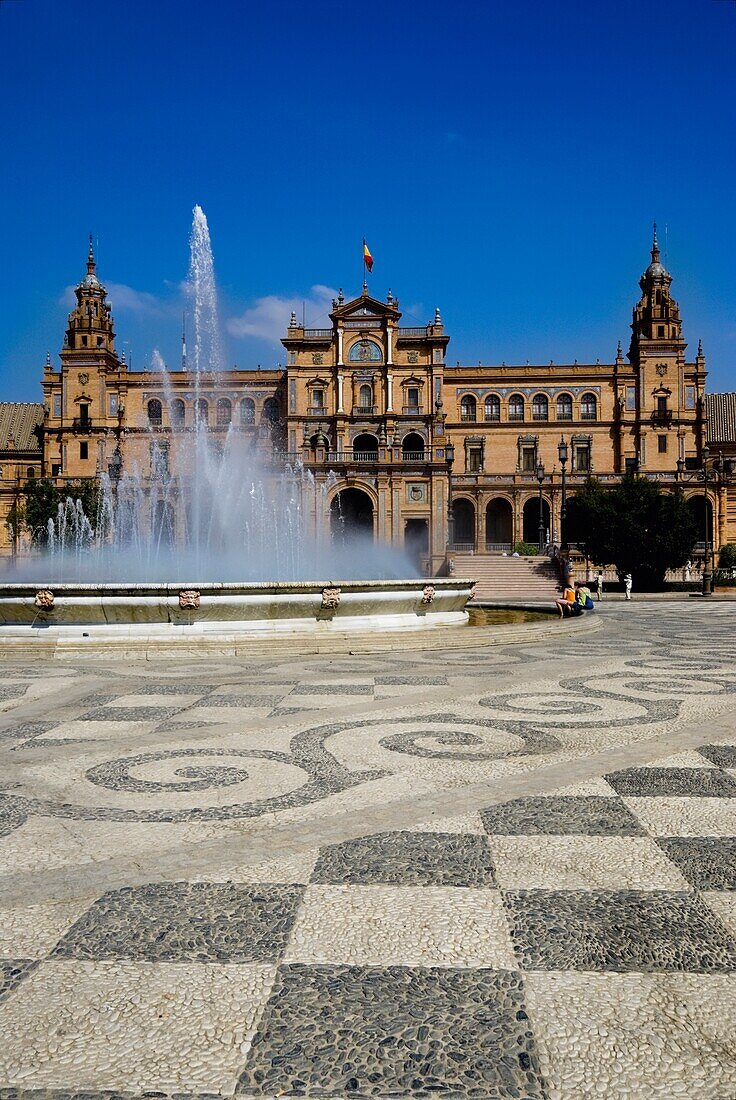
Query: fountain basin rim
{"x": 86, "y": 588}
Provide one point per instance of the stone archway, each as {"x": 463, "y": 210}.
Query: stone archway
{"x": 463, "y": 523}
{"x": 530, "y": 520}
{"x": 351, "y": 516}
{"x": 697, "y": 505}
{"x": 499, "y": 524}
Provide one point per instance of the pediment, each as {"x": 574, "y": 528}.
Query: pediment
{"x": 365, "y": 308}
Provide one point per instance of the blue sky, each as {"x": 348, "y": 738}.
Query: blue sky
{"x": 504, "y": 161}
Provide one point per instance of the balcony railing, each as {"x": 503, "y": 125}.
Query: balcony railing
{"x": 353, "y": 456}
{"x": 82, "y": 423}
{"x": 464, "y": 547}
{"x": 414, "y": 456}
{"x": 468, "y": 417}
{"x": 364, "y": 410}
{"x": 416, "y": 331}
{"x": 498, "y": 547}
{"x": 317, "y": 333}
{"x": 412, "y": 410}
{"x": 662, "y": 416}
{"x": 316, "y": 410}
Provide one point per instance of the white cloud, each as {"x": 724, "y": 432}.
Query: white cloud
{"x": 126, "y": 299}
{"x": 268, "y": 317}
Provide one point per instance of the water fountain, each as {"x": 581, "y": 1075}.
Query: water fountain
{"x": 246, "y": 537}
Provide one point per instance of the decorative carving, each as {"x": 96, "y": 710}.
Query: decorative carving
{"x": 45, "y": 600}
{"x": 84, "y": 379}
{"x": 428, "y": 594}
{"x": 413, "y": 357}
{"x": 189, "y": 598}
{"x": 330, "y": 599}
{"x": 661, "y": 369}
{"x": 317, "y": 358}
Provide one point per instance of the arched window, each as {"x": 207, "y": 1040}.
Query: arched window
{"x": 366, "y": 396}
{"x": 540, "y": 407}
{"x": 224, "y": 412}
{"x": 365, "y": 448}
{"x": 588, "y": 406}
{"x": 30, "y": 473}
{"x": 516, "y": 407}
{"x": 201, "y": 411}
{"x": 412, "y": 447}
{"x": 365, "y": 351}
{"x": 564, "y": 406}
{"x": 155, "y": 412}
{"x": 247, "y": 411}
{"x": 178, "y": 413}
{"x": 493, "y": 407}
{"x": 271, "y": 410}
{"x": 468, "y": 408}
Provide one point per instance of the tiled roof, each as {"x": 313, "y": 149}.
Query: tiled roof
{"x": 17, "y": 422}
{"x": 720, "y": 409}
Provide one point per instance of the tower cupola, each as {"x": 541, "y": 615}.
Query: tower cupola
{"x": 90, "y": 326}
{"x": 656, "y": 315}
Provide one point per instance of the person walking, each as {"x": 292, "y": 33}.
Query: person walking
{"x": 599, "y": 585}
{"x": 627, "y": 586}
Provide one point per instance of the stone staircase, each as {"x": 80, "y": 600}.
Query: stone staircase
{"x": 500, "y": 578}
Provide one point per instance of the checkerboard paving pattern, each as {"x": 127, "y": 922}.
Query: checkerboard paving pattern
{"x": 554, "y": 947}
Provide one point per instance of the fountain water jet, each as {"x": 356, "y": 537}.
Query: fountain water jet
{"x": 240, "y": 525}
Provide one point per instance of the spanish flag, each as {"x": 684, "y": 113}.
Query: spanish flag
{"x": 367, "y": 258}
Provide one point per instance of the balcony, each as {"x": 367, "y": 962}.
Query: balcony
{"x": 317, "y": 410}
{"x": 82, "y": 423}
{"x": 412, "y": 333}
{"x": 415, "y": 456}
{"x": 468, "y": 417}
{"x": 365, "y": 410}
{"x": 412, "y": 410}
{"x": 317, "y": 333}
{"x": 353, "y": 456}
{"x": 662, "y": 416}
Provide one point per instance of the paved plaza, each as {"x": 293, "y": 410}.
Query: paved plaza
{"x": 495, "y": 872}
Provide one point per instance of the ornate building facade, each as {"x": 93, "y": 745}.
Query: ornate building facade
{"x": 434, "y": 458}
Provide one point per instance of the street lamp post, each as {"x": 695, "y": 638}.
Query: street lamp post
{"x": 707, "y": 573}
{"x": 540, "y": 479}
{"x": 562, "y": 455}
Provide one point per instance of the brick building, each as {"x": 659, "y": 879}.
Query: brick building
{"x": 436, "y": 458}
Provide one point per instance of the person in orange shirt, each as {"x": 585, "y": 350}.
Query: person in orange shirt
{"x": 568, "y": 605}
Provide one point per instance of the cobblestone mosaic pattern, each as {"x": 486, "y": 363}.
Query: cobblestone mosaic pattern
{"x": 395, "y": 1031}
{"x": 573, "y": 943}
{"x": 404, "y": 859}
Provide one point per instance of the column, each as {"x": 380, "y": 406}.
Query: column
{"x": 389, "y": 391}
{"x": 340, "y": 381}
{"x": 722, "y": 516}
{"x": 480, "y": 542}
{"x": 389, "y": 347}
{"x": 339, "y": 347}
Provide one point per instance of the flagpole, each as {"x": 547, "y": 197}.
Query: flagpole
{"x": 365, "y": 273}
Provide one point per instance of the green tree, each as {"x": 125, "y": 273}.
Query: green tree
{"x": 634, "y": 526}
{"x": 727, "y": 556}
{"x": 42, "y": 499}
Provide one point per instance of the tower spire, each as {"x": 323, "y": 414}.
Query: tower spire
{"x": 91, "y": 265}
{"x": 655, "y": 246}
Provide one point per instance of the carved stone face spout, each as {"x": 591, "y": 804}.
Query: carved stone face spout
{"x": 44, "y": 600}
{"x": 189, "y": 598}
